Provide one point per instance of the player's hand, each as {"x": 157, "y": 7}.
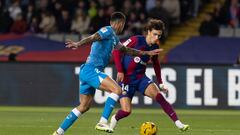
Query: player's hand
{"x": 163, "y": 88}
{"x": 120, "y": 77}
{"x": 154, "y": 52}
{"x": 71, "y": 44}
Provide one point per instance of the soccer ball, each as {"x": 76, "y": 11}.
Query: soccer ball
{"x": 148, "y": 128}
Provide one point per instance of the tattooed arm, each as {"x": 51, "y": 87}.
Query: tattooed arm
{"x": 135, "y": 52}
{"x": 131, "y": 51}
{"x": 90, "y": 39}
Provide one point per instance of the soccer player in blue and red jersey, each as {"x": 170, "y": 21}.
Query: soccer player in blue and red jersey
{"x": 91, "y": 74}
{"x": 131, "y": 74}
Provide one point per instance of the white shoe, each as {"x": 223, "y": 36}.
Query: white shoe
{"x": 56, "y": 133}
{"x": 103, "y": 127}
{"x": 113, "y": 122}
{"x": 185, "y": 128}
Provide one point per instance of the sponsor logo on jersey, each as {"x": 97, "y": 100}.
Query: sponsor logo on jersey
{"x": 127, "y": 42}
{"x": 124, "y": 92}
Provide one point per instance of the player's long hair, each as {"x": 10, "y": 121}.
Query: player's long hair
{"x": 156, "y": 24}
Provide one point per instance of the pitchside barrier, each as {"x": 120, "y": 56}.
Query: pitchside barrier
{"x": 56, "y": 84}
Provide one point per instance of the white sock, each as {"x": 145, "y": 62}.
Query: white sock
{"x": 60, "y": 131}
{"x": 113, "y": 122}
{"x": 179, "y": 124}
{"x": 76, "y": 112}
{"x": 114, "y": 96}
{"x": 103, "y": 120}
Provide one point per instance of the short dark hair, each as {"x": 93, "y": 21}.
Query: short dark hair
{"x": 117, "y": 16}
{"x": 154, "y": 24}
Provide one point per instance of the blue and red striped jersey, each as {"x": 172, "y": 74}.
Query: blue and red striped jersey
{"x": 134, "y": 67}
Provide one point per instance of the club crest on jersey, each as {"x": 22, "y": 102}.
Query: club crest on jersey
{"x": 103, "y": 30}
{"x": 137, "y": 59}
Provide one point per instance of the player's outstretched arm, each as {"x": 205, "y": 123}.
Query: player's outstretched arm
{"x": 74, "y": 45}
{"x": 135, "y": 52}
{"x": 157, "y": 69}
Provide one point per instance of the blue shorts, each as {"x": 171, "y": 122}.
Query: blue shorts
{"x": 90, "y": 78}
{"x": 140, "y": 85}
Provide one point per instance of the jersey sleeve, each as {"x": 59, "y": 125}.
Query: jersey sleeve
{"x": 104, "y": 33}
{"x": 117, "y": 54}
{"x": 131, "y": 42}
{"x": 157, "y": 67}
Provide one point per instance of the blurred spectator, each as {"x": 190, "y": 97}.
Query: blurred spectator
{"x": 92, "y": 11}
{"x": 195, "y": 7}
{"x": 33, "y": 26}
{"x": 80, "y": 23}
{"x": 29, "y": 13}
{"x": 19, "y": 25}
{"x": 64, "y": 22}
{"x": 48, "y": 15}
{"x": 7, "y": 23}
{"x": 127, "y": 7}
{"x": 57, "y": 9}
{"x": 82, "y": 5}
{"x": 109, "y": 3}
{"x": 52, "y": 3}
{"x": 1, "y": 7}
{"x": 234, "y": 14}
{"x": 48, "y": 23}
{"x": 1, "y": 16}
{"x": 238, "y": 60}
{"x": 98, "y": 21}
{"x": 24, "y": 3}
{"x": 7, "y": 3}
{"x": 190, "y": 8}
{"x": 160, "y": 13}
{"x": 185, "y": 10}
{"x": 131, "y": 26}
{"x": 150, "y": 4}
{"x": 173, "y": 9}
{"x": 142, "y": 19}
{"x": 43, "y": 5}
{"x": 209, "y": 27}
{"x": 102, "y": 3}
{"x": 15, "y": 9}
{"x": 135, "y": 25}
{"x": 109, "y": 11}
{"x": 138, "y": 7}
{"x": 220, "y": 13}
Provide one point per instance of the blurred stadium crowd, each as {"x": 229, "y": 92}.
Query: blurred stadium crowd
{"x": 87, "y": 16}
{"x": 225, "y": 15}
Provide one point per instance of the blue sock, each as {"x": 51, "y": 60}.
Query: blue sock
{"x": 109, "y": 106}
{"x": 70, "y": 119}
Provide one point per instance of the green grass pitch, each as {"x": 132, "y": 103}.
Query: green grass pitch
{"x": 44, "y": 120}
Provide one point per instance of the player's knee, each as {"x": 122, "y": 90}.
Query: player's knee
{"x": 117, "y": 90}
{"x": 127, "y": 111}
